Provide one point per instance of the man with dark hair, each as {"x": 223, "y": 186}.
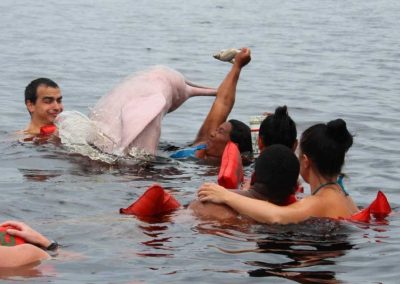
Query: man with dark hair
{"x": 44, "y": 102}
{"x": 241, "y": 135}
{"x": 215, "y": 131}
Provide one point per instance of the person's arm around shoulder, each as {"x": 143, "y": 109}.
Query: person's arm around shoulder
{"x": 260, "y": 210}
{"x": 225, "y": 98}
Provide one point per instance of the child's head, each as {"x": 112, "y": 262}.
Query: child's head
{"x": 278, "y": 128}
{"x": 276, "y": 173}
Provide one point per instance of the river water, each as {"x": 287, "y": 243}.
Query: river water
{"x": 324, "y": 59}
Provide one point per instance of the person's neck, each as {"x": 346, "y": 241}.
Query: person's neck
{"x": 34, "y": 127}
{"x": 202, "y": 154}
{"x": 317, "y": 180}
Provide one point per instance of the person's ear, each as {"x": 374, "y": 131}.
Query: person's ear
{"x": 30, "y": 106}
{"x": 261, "y": 145}
{"x": 305, "y": 161}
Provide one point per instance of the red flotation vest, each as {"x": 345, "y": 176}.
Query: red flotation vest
{"x": 8, "y": 240}
{"x": 363, "y": 216}
{"x": 47, "y": 129}
{"x": 231, "y": 171}
{"x": 290, "y": 200}
{"x": 154, "y": 201}
{"x": 379, "y": 208}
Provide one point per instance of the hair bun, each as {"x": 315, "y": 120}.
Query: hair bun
{"x": 281, "y": 112}
{"x": 337, "y": 130}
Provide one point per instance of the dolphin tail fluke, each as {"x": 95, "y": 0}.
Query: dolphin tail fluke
{"x": 197, "y": 90}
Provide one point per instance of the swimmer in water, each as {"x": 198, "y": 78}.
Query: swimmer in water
{"x": 322, "y": 154}
{"x": 216, "y": 131}
{"x": 276, "y": 172}
{"x": 43, "y": 101}
{"x": 34, "y": 250}
{"x": 276, "y": 128}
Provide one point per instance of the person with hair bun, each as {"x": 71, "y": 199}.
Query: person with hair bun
{"x": 322, "y": 152}
{"x": 278, "y": 128}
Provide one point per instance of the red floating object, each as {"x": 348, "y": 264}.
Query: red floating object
{"x": 154, "y": 201}
{"x": 362, "y": 216}
{"x": 48, "y": 129}
{"x": 9, "y": 240}
{"x": 291, "y": 199}
{"x": 231, "y": 172}
{"x": 380, "y": 207}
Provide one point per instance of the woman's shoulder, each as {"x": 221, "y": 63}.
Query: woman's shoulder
{"x": 331, "y": 203}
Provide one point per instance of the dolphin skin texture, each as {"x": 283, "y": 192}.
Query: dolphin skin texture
{"x": 130, "y": 115}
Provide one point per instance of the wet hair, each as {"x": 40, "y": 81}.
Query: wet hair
{"x": 278, "y": 128}
{"x": 31, "y": 89}
{"x": 276, "y": 172}
{"x": 241, "y": 135}
{"x": 326, "y": 145}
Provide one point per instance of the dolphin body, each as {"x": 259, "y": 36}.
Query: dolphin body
{"x": 130, "y": 115}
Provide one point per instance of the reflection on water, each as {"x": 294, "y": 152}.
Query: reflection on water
{"x": 311, "y": 254}
{"x": 310, "y": 247}
{"x": 28, "y": 272}
{"x": 39, "y": 175}
{"x": 158, "y": 241}
{"x": 157, "y": 229}
{"x": 158, "y": 167}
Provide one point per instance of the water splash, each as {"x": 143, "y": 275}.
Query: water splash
{"x": 74, "y": 130}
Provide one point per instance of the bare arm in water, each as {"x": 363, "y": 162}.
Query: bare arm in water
{"x": 212, "y": 211}
{"x": 25, "y": 253}
{"x": 330, "y": 203}
{"x": 21, "y": 255}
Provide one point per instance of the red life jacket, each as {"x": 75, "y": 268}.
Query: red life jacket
{"x": 47, "y": 129}
{"x": 8, "y": 240}
{"x": 231, "y": 171}
{"x": 154, "y": 201}
{"x": 291, "y": 199}
{"x": 379, "y": 208}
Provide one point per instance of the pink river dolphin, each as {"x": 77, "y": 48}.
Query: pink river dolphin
{"x": 130, "y": 115}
